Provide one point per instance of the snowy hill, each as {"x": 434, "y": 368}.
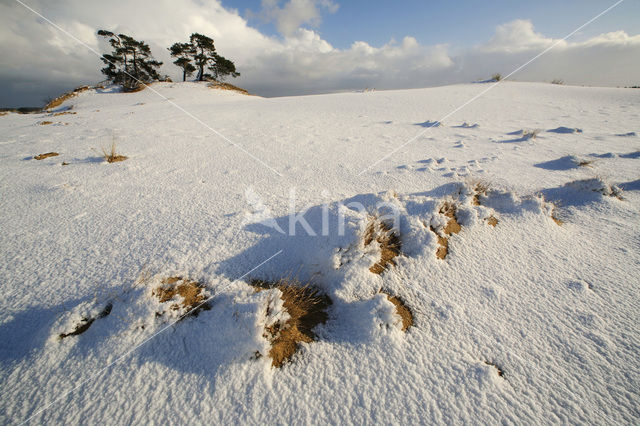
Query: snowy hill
{"x": 517, "y": 256}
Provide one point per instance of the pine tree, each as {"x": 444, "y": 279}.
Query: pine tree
{"x": 131, "y": 62}
{"x": 223, "y": 67}
{"x": 204, "y": 52}
{"x": 200, "y": 54}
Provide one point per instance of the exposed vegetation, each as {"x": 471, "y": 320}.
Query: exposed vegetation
{"x": 306, "y": 307}
{"x": 45, "y": 155}
{"x": 111, "y": 156}
{"x": 389, "y": 241}
{"x": 401, "y": 309}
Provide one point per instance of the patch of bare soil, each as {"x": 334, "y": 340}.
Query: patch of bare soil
{"x": 448, "y": 209}
{"x": 307, "y": 308}
{"x": 389, "y": 242}
{"x": 401, "y": 309}
{"x": 192, "y": 298}
{"x": 45, "y": 155}
{"x": 85, "y": 323}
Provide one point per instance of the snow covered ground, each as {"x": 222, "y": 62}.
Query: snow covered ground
{"x": 532, "y": 320}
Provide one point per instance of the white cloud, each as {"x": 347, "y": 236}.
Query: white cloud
{"x": 518, "y": 36}
{"x": 296, "y": 13}
{"x": 37, "y": 60}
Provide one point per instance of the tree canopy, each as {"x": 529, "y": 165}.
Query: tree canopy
{"x": 130, "y": 63}
{"x": 199, "y": 54}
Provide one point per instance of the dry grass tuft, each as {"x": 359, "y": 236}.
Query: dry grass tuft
{"x": 389, "y": 242}
{"x": 492, "y": 220}
{"x": 2, "y": 113}
{"x": 57, "y": 114}
{"x": 227, "y": 86}
{"x": 401, "y": 309}
{"x": 45, "y": 155}
{"x": 306, "y": 307}
{"x": 530, "y": 134}
{"x": 448, "y": 209}
{"x": 191, "y": 292}
{"x": 44, "y": 123}
{"x": 110, "y": 156}
{"x": 85, "y": 323}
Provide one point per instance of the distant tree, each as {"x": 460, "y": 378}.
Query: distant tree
{"x": 200, "y": 54}
{"x": 184, "y": 53}
{"x": 131, "y": 62}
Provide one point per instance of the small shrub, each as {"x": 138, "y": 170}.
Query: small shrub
{"x": 496, "y": 77}
{"x": 557, "y": 81}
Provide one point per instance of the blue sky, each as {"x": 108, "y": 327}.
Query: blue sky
{"x": 458, "y": 23}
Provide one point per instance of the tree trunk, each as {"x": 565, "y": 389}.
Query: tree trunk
{"x": 184, "y": 74}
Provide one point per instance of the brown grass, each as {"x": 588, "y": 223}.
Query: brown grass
{"x": 389, "y": 242}
{"x": 480, "y": 188}
{"x": 139, "y": 88}
{"x": 44, "y": 123}
{"x": 2, "y": 113}
{"x": 448, "y": 209}
{"x": 85, "y": 323}
{"x": 57, "y": 114}
{"x": 110, "y": 156}
{"x": 306, "y": 307}
{"x": 227, "y": 86}
{"x": 493, "y": 221}
{"x": 45, "y": 155}
{"x": 192, "y": 293}
{"x": 401, "y": 309}
{"x": 554, "y": 215}
{"x": 65, "y": 96}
